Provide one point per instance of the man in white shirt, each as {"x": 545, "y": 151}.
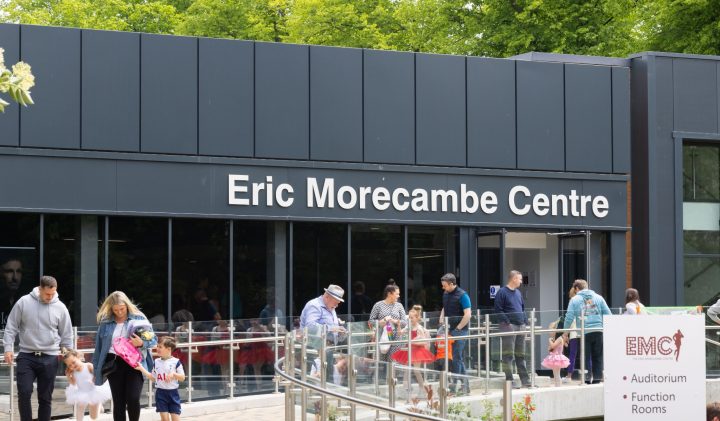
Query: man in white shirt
{"x": 714, "y": 311}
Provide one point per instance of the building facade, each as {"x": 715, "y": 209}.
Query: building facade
{"x": 252, "y": 175}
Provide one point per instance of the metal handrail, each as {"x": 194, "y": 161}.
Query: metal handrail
{"x": 480, "y": 330}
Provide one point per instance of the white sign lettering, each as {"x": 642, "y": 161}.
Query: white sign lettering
{"x": 324, "y": 193}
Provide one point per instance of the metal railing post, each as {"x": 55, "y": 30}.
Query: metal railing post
{"x": 352, "y": 373}
{"x": 277, "y": 353}
{"x": 190, "y": 361}
{"x": 377, "y": 357}
{"x": 409, "y": 362}
{"x": 303, "y": 373}
{"x": 391, "y": 388}
{"x": 507, "y": 401}
{"x": 443, "y": 394}
{"x": 447, "y": 343}
{"x": 479, "y": 342}
{"x": 12, "y": 388}
{"x": 487, "y": 354}
{"x": 231, "y": 349}
{"x": 582, "y": 348}
{"x": 289, "y": 366}
{"x": 532, "y": 348}
{"x": 323, "y": 371}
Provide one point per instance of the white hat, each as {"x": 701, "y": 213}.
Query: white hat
{"x": 336, "y": 292}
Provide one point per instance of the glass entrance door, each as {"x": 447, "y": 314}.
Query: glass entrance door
{"x": 574, "y": 261}
{"x": 490, "y": 266}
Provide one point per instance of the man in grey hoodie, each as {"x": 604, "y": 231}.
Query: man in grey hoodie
{"x": 42, "y": 323}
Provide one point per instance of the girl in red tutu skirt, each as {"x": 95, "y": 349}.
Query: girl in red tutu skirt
{"x": 555, "y": 360}
{"x": 420, "y": 353}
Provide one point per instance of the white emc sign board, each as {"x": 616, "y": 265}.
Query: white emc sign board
{"x": 654, "y": 367}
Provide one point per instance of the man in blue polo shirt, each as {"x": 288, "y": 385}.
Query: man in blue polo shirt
{"x": 510, "y": 313}
{"x": 456, "y": 306}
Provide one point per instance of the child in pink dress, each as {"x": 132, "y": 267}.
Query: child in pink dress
{"x": 555, "y": 359}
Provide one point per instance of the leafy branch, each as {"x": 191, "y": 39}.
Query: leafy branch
{"x": 16, "y": 82}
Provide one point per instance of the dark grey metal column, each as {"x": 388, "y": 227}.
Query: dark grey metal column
{"x": 169, "y": 271}
{"x": 86, "y": 270}
{"x": 618, "y": 277}
{"x": 468, "y": 261}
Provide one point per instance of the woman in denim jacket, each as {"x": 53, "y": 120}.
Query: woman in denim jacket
{"x": 126, "y": 383}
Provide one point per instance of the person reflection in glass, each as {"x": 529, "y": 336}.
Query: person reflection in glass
{"x": 11, "y": 270}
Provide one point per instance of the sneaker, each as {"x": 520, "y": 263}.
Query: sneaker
{"x": 565, "y": 380}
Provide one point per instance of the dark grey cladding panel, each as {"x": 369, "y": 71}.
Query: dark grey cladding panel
{"x": 440, "y": 110}
{"x": 491, "y": 113}
{"x": 110, "y": 91}
{"x": 54, "y": 120}
{"x": 10, "y": 120}
{"x": 168, "y": 94}
{"x": 336, "y": 104}
{"x": 588, "y": 118}
{"x": 695, "y": 95}
{"x": 61, "y": 184}
{"x": 540, "y": 116}
{"x": 621, "y": 119}
{"x": 281, "y": 101}
{"x": 226, "y": 111}
{"x": 389, "y": 107}
{"x": 151, "y": 187}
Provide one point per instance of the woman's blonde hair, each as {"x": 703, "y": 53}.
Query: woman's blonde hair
{"x": 118, "y": 297}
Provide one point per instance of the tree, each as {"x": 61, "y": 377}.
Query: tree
{"x": 438, "y": 26}
{"x": 683, "y": 26}
{"x": 333, "y": 22}
{"x": 16, "y": 82}
{"x": 262, "y": 20}
{"x": 508, "y": 28}
{"x": 117, "y": 15}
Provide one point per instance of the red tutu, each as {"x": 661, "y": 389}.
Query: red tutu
{"x": 419, "y": 355}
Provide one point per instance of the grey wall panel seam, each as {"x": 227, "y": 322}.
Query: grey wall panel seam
{"x": 564, "y": 98}
{"x": 415, "y": 126}
{"x": 82, "y": 32}
{"x": 362, "y": 105}
{"x": 20, "y": 112}
{"x": 465, "y": 91}
{"x": 515, "y": 94}
{"x": 139, "y": 94}
{"x": 309, "y": 116}
{"x": 612, "y": 123}
{"x": 254, "y": 84}
{"x": 197, "y": 96}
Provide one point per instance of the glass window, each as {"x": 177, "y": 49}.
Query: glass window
{"x": 701, "y": 173}
{"x": 72, "y": 245}
{"x": 200, "y": 278}
{"x": 251, "y": 268}
{"x": 701, "y": 280}
{"x": 427, "y": 251}
{"x": 320, "y": 259}
{"x": 377, "y": 257}
{"x": 138, "y": 258}
{"x": 701, "y": 242}
{"x": 19, "y": 258}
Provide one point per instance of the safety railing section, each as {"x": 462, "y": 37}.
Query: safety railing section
{"x": 222, "y": 359}
{"x": 355, "y": 368}
{"x": 355, "y": 361}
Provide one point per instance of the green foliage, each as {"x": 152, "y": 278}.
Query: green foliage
{"x": 494, "y": 28}
{"x": 522, "y": 410}
{"x": 117, "y": 15}
{"x": 459, "y": 408}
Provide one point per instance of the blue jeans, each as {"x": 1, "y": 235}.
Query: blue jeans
{"x": 457, "y": 365}
{"x": 29, "y": 369}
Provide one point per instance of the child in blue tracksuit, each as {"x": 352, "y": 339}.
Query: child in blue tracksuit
{"x": 594, "y": 307}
